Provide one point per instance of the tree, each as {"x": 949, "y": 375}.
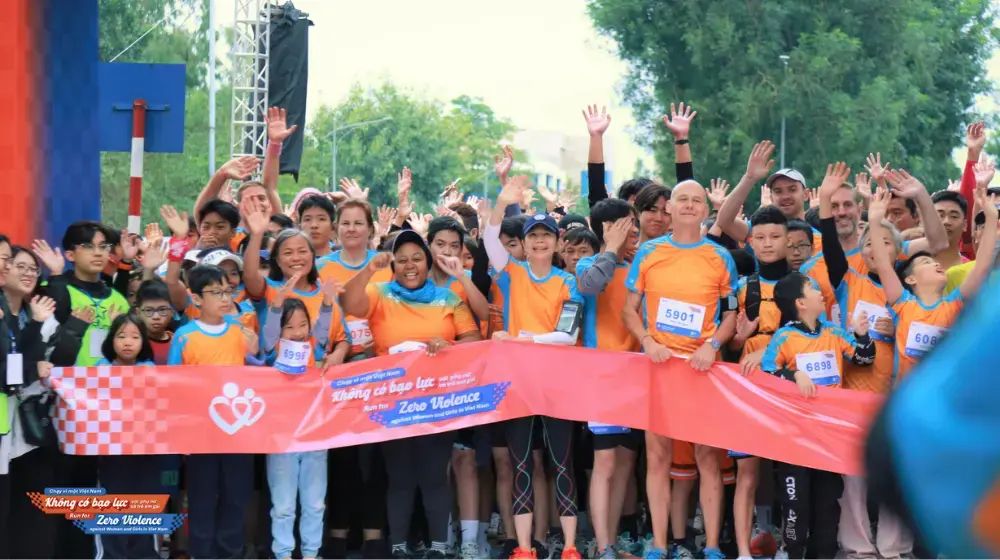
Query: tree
{"x": 861, "y": 77}
{"x": 438, "y": 142}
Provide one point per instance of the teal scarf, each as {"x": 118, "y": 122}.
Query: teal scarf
{"x": 424, "y": 294}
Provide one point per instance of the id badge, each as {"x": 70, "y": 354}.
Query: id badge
{"x": 97, "y": 337}
{"x": 15, "y": 369}
{"x": 293, "y": 357}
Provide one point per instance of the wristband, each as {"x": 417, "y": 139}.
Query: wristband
{"x": 274, "y": 148}
{"x": 680, "y": 142}
{"x": 178, "y": 248}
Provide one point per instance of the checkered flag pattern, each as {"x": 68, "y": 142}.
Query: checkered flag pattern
{"x": 90, "y": 417}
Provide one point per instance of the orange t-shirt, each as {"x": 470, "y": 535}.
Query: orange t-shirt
{"x": 532, "y": 305}
{"x": 855, "y": 294}
{"x": 359, "y": 333}
{"x": 394, "y": 320}
{"x": 819, "y": 355}
{"x": 681, "y": 286}
{"x": 194, "y": 346}
{"x": 920, "y": 327}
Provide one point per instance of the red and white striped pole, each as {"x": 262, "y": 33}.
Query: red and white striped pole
{"x": 138, "y": 151}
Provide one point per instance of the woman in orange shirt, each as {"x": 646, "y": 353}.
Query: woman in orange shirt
{"x": 406, "y": 313}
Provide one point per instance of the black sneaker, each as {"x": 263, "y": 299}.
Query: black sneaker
{"x": 375, "y": 548}
{"x": 507, "y": 549}
{"x": 541, "y": 551}
{"x": 335, "y": 548}
{"x": 400, "y": 554}
{"x": 433, "y": 553}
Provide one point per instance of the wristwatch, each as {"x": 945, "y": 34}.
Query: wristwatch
{"x": 715, "y": 343}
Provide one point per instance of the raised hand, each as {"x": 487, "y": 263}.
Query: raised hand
{"x": 451, "y": 195}
{"x": 616, "y": 234}
{"x": 503, "y": 164}
{"x": 42, "y": 308}
{"x": 85, "y": 314}
{"x": 987, "y": 203}
{"x": 254, "y": 217}
{"x": 352, "y": 190}
{"x": 547, "y": 195}
{"x": 277, "y": 125}
{"x": 386, "y": 215}
{"x": 514, "y": 191}
{"x": 484, "y": 207}
{"x": 404, "y": 182}
{"x": 129, "y": 248}
{"x": 154, "y": 235}
{"x": 760, "y": 163}
{"x": 472, "y": 200}
{"x": 718, "y": 192}
{"x": 177, "y": 223}
{"x": 403, "y": 212}
{"x": 379, "y": 262}
{"x": 155, "y": 256}
{"x": 285, "y": 291}
{"x": 975, "y": 137}
{"x": 678, "y": 122}
{"x": 877, "y": 209}
{"x": 836, "y": 175}
{"x": 863, "y": 186}
{"x": 451, "y": 265}
{"x": 597, "y": 123}
{"x": 226, "y": 194}
{"x": 875, "y": 167}
{"x": 813, "y": 198}
{"x": 954, "y": 186}
{"x": 51, "y": 258}
{"x": 765, "y": 196}
{"x": 241, "y": 168}
{"x": 984, "y": 170}
{"x": 419, "y": 223}
{"x": 904, "y": 184}
{"x": 331, "y": 290}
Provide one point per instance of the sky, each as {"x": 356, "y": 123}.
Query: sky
{"x": 537, "y": 62}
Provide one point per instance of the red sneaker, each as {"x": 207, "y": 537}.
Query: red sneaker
{"x": 762, "y": 543}
{"x": 524, "y": 553}
{"x": 571, "y": 553}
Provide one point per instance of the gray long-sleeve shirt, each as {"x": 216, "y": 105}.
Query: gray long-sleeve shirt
{"x": 272, "y": 327}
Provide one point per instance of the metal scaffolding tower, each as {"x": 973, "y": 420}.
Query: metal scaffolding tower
{"x": 251, "y": 45}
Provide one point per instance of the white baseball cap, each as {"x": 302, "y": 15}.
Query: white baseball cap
{"x": 789, "y": 173}
{"x": 219, "y": 257}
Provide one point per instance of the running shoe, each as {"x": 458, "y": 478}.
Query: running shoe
{"x": 682, "y": 552}
{"x": 625, "y": 544}
{"x": 434, "y": 554}
{"x": 570, "y": 553}
{"x": 555, "y": 545}
{"x": 762, "y": 543}
{"x": 540, "y": 550}
{"x": 713, "y": 554}
{"x": 781, "y": 555}
{"x": 607, "y": 554}
{"x": 523, "y": 553}
{"x": 656, "y": 554}
{"x": 494, "y": 528}
{"x": 469, "y": 550}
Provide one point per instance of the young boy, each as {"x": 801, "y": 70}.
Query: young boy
{"x": 217, "y": 223}
{"x": 810, "y": 352}
{"x": 152, "y": 300}
{"x": 77, "y": 342}
{"x": 578, "y": 243}
{"x": 219, "y": 486}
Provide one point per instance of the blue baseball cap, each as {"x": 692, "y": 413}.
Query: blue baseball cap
{"x": 541, "y": 220}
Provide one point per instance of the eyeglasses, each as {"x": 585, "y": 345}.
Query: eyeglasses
{"x": 88, "y": 246}
{"x": 223, "y": 295}
{"x": 800, "y": 247}
{"x": 156, "y": 311}
{"x": 27, "y": 270}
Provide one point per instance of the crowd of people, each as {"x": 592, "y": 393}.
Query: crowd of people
{"x": 846, "y": 285}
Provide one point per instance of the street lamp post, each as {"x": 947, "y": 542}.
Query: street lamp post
{"x": 784, "y": 59}
{"x": 333, "y": 151}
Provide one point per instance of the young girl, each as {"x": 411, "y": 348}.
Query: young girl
{"x": 127, "y": 344}
{"x": 292, "y": 346}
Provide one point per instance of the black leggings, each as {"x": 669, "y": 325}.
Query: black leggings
{"x": 810, "y": 502}
{"x": 419, "y": 462}
{"x": 356, "y": 481}
{"x": 559, "y": 443}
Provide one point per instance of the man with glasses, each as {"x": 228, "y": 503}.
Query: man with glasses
{"x": 152, "y": 300}
{"x": 85, "y": 305}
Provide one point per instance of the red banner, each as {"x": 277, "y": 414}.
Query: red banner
{"x": 193, "y": 409}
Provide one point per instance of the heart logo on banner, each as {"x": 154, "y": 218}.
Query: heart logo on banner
{"x": 245, "y": 410}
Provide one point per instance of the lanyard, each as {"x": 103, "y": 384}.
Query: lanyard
{"x": 10, "y": 332}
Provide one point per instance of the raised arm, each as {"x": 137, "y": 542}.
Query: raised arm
{"x": 935, "y": 238}
{"x": 678, "y": 122}
{"x": 256, "y": 221}
{"x": 354, "y": 299}
{"x": 178, "y": 223}
{"x": 975, "y": 140}
{"x": 277, "y": 132}
{"x": 758, "y": 167}
{"x": 987, "y": 245}
{"x": 833, "y": 252}
{"x": 512, "y": 193}
{"x": 597, "y": 125}
{"x": 236, "y": 169}
{"x": 881, "y": 253}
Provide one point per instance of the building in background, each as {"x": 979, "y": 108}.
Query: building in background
{"x": 558, "y": 158}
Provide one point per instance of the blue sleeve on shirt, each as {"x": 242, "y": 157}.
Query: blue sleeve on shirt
{"x": 769, "y": 361}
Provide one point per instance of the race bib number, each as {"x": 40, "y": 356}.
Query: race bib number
{"x": 360, "y": 332}
{"x": 875, "y": 312}
{"x": 821, "y": 367}
{"x": 600, "y": 429}
{"x": 525, "y": 334}
{"x": 921, "y": 338}
{"x": 97, "y": 337}
{"x": 677, "y": 317}
{"x": 293, "y": 357}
